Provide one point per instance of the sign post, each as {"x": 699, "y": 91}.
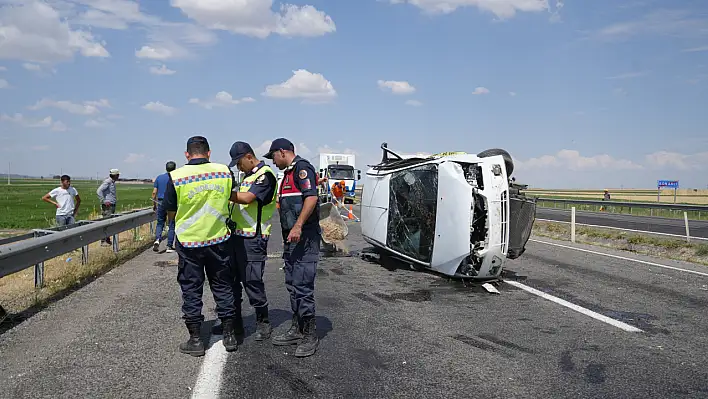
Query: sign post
{"x": 668, "y": 184}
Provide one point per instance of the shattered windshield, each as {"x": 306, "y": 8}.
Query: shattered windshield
{"x": 341, "y": 173}
{"x": 412, "y": 211}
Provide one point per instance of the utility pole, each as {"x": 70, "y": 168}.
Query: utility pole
{"x": 8, "y": 173}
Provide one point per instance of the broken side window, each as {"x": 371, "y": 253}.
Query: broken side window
{"x": 412, "y": 210}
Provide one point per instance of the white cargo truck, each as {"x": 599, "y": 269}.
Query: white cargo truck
{"x": 338, "y": 168}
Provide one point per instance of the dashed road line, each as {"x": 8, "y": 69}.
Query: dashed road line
{"x": 580, "y": 309}
{"x": 623, "y": 258}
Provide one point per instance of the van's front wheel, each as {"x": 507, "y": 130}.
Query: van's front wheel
{"x": 508, "y": 162}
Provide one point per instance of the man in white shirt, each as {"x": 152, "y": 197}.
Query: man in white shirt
{"x": 67, "y": 201}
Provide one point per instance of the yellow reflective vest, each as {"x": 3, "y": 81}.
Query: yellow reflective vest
{"x": 203, "y": 193}
{"x": 246, "y": 216}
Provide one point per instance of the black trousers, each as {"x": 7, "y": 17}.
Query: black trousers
{"x": 250, "y": 255}
{"x": 301, "y": 270}
{"x": 215, "y": 261}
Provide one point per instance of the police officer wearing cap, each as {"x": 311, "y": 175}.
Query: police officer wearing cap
{"x": 197, "y": 199}
{"x": 299, "y": 220}
{"x": 254, "y": 206}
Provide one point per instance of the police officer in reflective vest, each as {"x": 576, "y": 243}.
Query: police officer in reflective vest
{"x": 254, "y": 206}
{"x": 299, "y": 220}
{"x": 197, "y": 198}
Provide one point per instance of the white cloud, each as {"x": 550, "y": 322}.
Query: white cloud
{"x": 31, "y": 67}
{"x": 512, "y": 93}
{"x": 660, "y": 22}
{"x": 156, "y": 106}
{"x": 59, "y": 126}
{"x": 162, "y": 70}
{"x": 33, "y": 31}
{"x": 502, "y": 9}
{"x": 135, "y": 158}
{"x": 666, "y": 159}
{"x": 481, "y": 90}
{"x": 47, "y": 122}
{"x": 40, "y": 148}
{"x": 221, "y": 99}
{"x": 572, "y": 160}
{"x": 695, "y": 49}
{"x": 628, "y": 75}
{"x": 153, "y": 53}
{"x": 257, "y": 18}
{"x": 262, "y": 148}
{"x": 414, "y": 103}
{"x": 98, "y": 123}
{"x": 302, "y": 149}
{"x": 396, "y": 87}
{"x": 311, "y": 87}
{"x": 4, "y": 84}
{"x": 327, "y": 149}
{"x": 87, "y": 108}
{"x": 3, "y": 69}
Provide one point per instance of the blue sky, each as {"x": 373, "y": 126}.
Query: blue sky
{"x": 582, "y": 94}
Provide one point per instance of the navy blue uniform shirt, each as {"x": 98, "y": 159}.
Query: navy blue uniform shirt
{"x": 170, "y": 201}
{"x": 306, "y": 181}
{"x": 264, "y": 187}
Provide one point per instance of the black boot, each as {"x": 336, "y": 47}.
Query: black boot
{"x": 194, "y": 345}
{"x": 263, "y": 327}
{"x": 309, "y": 343}
{"x": 290, "y": 337}
{"x": 239, "y": 330}
{"x": 230, "y": 342}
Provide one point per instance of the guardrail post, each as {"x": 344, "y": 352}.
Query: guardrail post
{"x": 572, "y": 224}
{"x": 115, "y": 243}
{"x": 152, "y": 228}
{"x": 685, "y": 220}
{"x": 84, "y": 254}
{"x": 39, "y": 275}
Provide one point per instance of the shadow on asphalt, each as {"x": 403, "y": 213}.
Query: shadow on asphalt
{"x": 277, "y": 317}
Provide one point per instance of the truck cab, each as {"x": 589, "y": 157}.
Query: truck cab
{"x": 338, "y": 168}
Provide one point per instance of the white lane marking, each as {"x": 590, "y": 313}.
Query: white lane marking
{"x": 209, "y": 379}
{"x": 580, "y": 309}
{"x": 619, "y": 228}
{"x": 623, "y": 258}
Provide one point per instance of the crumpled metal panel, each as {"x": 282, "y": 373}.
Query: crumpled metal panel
{"x": 412, "y": 211}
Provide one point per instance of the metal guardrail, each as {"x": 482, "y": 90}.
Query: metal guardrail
{"x": 33, "y": 249}
{"x": 626, "y": 204}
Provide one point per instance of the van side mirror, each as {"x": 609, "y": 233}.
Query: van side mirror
{"x": 358, "y": 174}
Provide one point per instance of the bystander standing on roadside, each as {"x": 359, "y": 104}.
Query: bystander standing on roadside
{"x": 158, "y": 195}
{"x": 67, "y": 201}
{"x": 107, "y": 195}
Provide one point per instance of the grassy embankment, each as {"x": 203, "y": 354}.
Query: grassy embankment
{"x": 669, "y": 248}
{"x": 684, "y": 196}
{"x": 22, "y": 210}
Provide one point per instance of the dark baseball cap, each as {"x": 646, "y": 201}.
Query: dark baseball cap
{"x": 279, "y": 144}
{"x": 238, "y": 150}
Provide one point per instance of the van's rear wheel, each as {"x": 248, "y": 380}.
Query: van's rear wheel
{"x": 508, "y": 162}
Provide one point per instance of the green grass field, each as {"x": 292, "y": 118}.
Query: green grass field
{"x": 22, "y": 208}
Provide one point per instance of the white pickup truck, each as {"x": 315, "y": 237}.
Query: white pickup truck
{"x": 455, "y": 213}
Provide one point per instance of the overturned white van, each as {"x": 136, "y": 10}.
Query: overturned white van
{"x": 455, "y": 213}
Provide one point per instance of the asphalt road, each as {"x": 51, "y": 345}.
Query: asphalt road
{"x": 387, "y": 332}
{"x": 642, "y": 223}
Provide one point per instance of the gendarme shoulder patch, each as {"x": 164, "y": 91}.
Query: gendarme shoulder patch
{"x": 303, "y": 174}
